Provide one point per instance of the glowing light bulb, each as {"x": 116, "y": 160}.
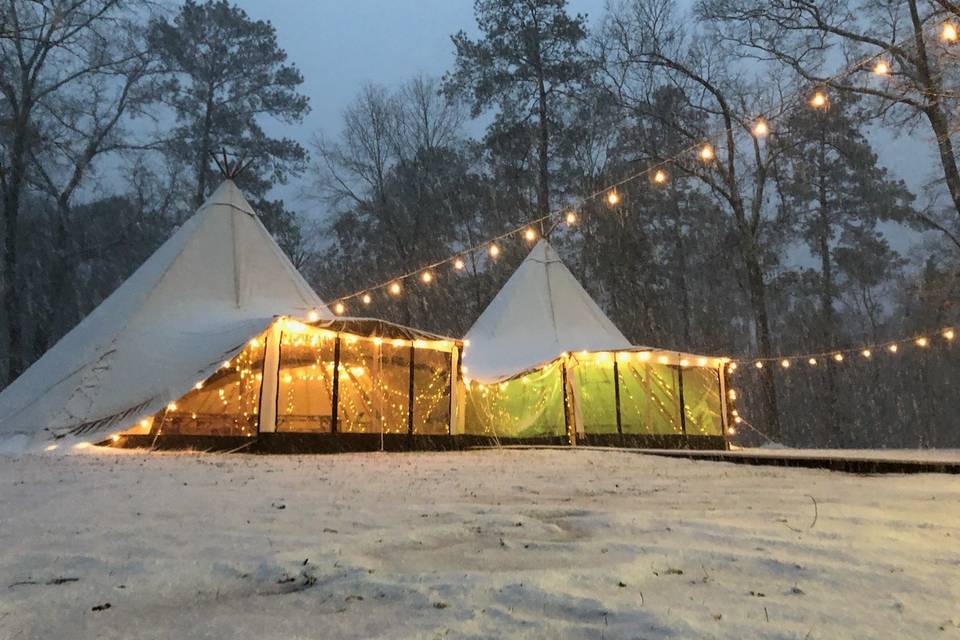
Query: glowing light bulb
{"x": 50, "y": 447}
{"x": 760, "y": 128}
{"x": 866, "y": 353}
{"x": 339, "y": 308}
{"x": 172, "y": 406}
{"x": 663, "y": 359}
{"x": 313, "y": 316}
{"x": 701, "y": 362}
{"x": 366, "y": 298}
{"x": 949, "y": 32}
{"x": 684, "y": 362}
{"x": 738, "y": 419}
{"x": 785, "y": 363}
{"x": 254, "y": 343}
{"x": 949, "y": 334}
{"x": 922, "y": 342}
{"x": 115, "y": 437}
{"x": 732, "y": 394}
{"x": 571, "y": 218}
{"x": 758, "y": 364}
{"x": 198, "y": 385}
{"x": 819, "y": 100}
{"x": 426, "y": 277}
{"x": 732, "y": 367}
{"x": 893, "y": 348}
{"x": 643, "y": 356}
{"x": 881, "y": 68}
{"x": 812, "y": 362}
{"x": 613, "y": 198}
{"x": 226, "y": 364}
{"x": 660, "y": 176}
{"x": 494, "y": 251}
{"x": 378, "y": 341}
{"x": 395, "y": 288}
{"x": 530, "y": 234}
{"x": 838, "y": 357}
{"x": 145, "y": 423}
{"x": 458, "y": 264}
{"x": 731, "y": 431}
{"x": 706, "y": 152}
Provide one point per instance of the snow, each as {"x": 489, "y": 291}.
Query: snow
{"x": 509, "y": 543}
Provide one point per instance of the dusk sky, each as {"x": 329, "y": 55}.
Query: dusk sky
{"x": 339, "y": 46}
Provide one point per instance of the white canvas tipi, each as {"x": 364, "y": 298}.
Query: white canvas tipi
{"x": 217, "y": 282}
{"x": 541, "y": 312}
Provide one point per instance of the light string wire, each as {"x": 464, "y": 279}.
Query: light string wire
{"x": 819, "y": 100}
{"x": 866, "y": 351}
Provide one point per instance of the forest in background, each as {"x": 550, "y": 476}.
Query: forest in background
{"x": 778, "y": 243}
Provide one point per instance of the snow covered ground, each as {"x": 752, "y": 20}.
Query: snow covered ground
{"x": 534, "y": 544}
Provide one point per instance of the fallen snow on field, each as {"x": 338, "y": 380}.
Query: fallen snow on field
{"x": 538, "y": 544}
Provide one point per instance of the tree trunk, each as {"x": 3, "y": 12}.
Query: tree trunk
{"x": 11, "y": 210}
{"x": 832, "y": 420}
{"x": 758, "y": 301}
{"x": 543, "y": 194}
{"x": 932, "y": 88}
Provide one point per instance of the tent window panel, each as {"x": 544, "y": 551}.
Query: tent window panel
{"x": 358, "y": 410}
{"x": 526, "y": 407}
{"x": 393, "y": 386}
{"x": 649, "y": 399}
{"x": 701, "y": 397}
{"x": 226, "y": 404}
{"x": 597, "y": 393}
{"x": 305, "y": 393}
{"x": 431, "y": 392}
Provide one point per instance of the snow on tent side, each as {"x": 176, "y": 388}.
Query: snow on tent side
{"x": 216, "y": 283}
{"x": 545, "y": 364}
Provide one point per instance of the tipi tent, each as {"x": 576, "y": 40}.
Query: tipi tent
{"x": 195, "y": 303}
{"x": 545, "y": 364}
{"x": 217, "y": 336}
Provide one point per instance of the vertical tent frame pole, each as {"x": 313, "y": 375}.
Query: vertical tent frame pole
{"x": 683, "y": 410}
{"x": 724, "y": 405}
{"x": 410, "y": 394}
{"x": 335, "y": 399}
{"x": 616, "y": 393}
{"x": 569, "y": 423}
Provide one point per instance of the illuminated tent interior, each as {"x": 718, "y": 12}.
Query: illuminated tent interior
{"x": 546, "y": 365}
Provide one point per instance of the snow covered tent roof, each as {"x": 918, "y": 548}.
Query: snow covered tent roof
{"x": 541, "y": 312}
{"x": 215, "y": 283}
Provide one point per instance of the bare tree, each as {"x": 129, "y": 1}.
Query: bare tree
{"x": 48, "y": 49}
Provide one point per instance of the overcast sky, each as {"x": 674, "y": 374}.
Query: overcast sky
{"x": 340, "y": 45}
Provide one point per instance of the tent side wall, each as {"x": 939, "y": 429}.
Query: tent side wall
{"x": 614, "y": 398}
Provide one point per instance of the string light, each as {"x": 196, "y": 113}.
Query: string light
{"x": 426, "y": 277}
{"x": 494, "y": 250}
{"x": 760, "y": 128}
{"x": 921, "y": 342}
{"x": 812, "y": 362}
{"x": 948, "y": 33}
{"x": 339, "y": 308}
{"x": 866, "y": 353}
{"x": 643, "y": 356}
{"x": 613, "y": 198}
{"x": 530, "y": 234}
{"x": 313, "y": 316}
{"x": 893, "y": 348}
{"x": 758, "y": 364}
{"x": 706, "y": 153}
{"x": 366, "y": 298}
{"x": 395, "y": 288}
{"x": 838, "y": 357}
{"x": 660, "y": 176}
{"x": 732, "y": 367}
{"x": 785, "y": 363}
{"x": 949, "y": 334}
{"x": 458, "y": 264}
{"x": 571, "y": 218}
{"x": 819, "y": 100}
{"x": 881, "y": 68}
{"x": 198, "y": 385}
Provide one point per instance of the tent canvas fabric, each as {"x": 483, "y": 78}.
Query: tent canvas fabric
{"x": 218, "y": 281}
{"x": 540, "y": 313}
